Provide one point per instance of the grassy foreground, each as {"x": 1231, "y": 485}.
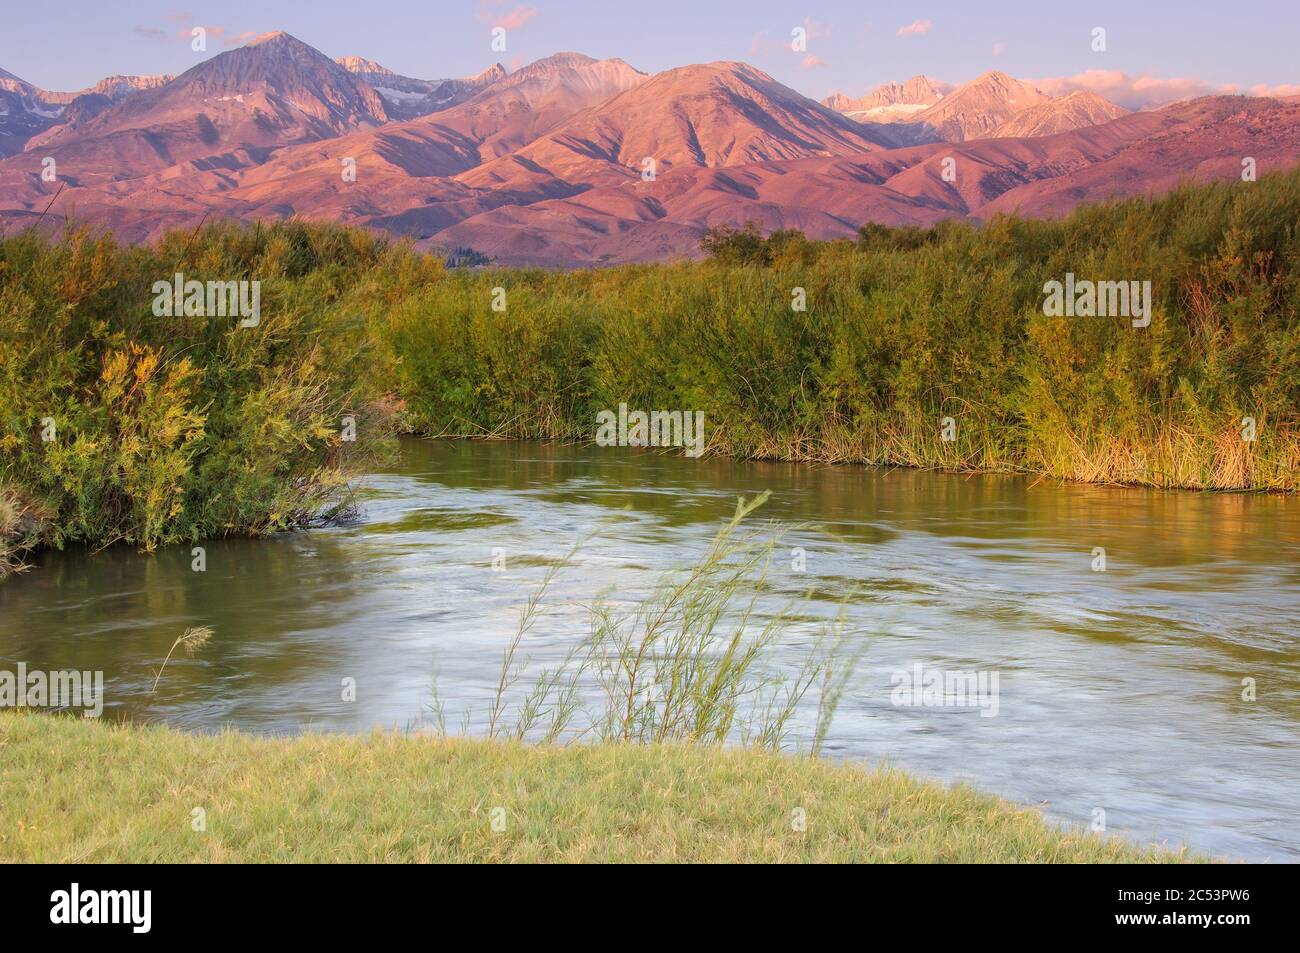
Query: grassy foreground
{"x": 72, "y": 790}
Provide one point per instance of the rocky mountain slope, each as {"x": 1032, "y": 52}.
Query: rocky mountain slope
{"x": 572, "y": 160}
{"x": 992, "y": 105}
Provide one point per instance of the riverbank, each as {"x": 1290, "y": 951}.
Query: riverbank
{"x": 8, "y": 537}
{"x": 123, "y": 420}
{"x": 16, "y": 529}
{"x": 126, "y": 420}
{"x": 73, "y": 790}
{"x": 931, "y": 348}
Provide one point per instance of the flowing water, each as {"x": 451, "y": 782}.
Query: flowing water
{"x": 1118, "y": 690}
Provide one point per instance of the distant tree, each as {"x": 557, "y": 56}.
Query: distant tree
{"x": 747, "y": 246}
{"x": 466, "y": 257}
{"x": 789, "y": 245}
{"x": 736, "y": 246}
{"x": 873, "y": 235}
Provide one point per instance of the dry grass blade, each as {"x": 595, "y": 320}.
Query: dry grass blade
{"x": 191, "y": 640}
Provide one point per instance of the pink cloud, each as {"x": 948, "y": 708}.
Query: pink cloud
{"x": 999, "y": 49}
{"x": 517, "y": 17}
{"x": 1146, "y": 92}
{"x": 915, "y": 28}
{"x": 812, "y": 62}
{"x": 512, "y": 20}
{"x": 1134, "y": 92}
{"x": 1283, "y": 89}
{"x": 239, "y": 39}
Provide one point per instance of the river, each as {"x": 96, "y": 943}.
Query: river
{"x": 1118, "y": 691}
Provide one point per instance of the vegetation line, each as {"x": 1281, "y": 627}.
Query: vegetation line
{"x": 912, "y": 347}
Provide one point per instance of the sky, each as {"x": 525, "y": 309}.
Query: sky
{"x": 1154, "y": 51}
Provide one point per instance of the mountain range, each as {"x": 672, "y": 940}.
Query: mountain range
{"x": 572, "y": 160}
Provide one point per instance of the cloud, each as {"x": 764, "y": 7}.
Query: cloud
{"x": 239, "y": 39}
{"x": 1134, "y": 92}
{"x": 915, "y": 28}
{"x": 812, "y": 62}
{"x": 511, "y": 20}
{"x": 1145, "y": 91}
{"x": 1282, "y": 89}
{"x": 517, "y": 17}
{"x": 183, "y": 23}
{"x": 999, "y": 49}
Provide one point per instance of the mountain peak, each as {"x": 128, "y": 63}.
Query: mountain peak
{"x": 1080, "y": 108}
{"x": 575, "y": 72}
{"x": 359, "y": 64}
{"x": 563, "y": 59}
{"x": 569, "y": 62}
{"x": 490, "y": 75}
{"x": 890, "y": 102}
{"x": 119, "y": 87}
{"x": 998, "y": 83}
{"x": 273, "y": 36}
{"x": 707, "y": 115}
{"x": 274, "y": 90}
{"x": 976, "y": 109}
{"x": 717, "y": 72}
{"x": 1083, "y": 95}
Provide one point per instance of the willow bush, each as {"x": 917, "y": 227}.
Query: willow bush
{"x": 117, "y": 425}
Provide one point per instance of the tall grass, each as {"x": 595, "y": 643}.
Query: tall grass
{"x": 902, "y": 329}
{"x": 689, "y": 664}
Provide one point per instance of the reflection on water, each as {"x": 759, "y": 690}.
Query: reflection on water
{"x": 1119, "y": 690}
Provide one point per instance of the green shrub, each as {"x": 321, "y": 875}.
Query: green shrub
{"x": 125, "y": 426}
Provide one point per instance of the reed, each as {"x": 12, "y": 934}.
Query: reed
{"x": 688, "y": 664}
{"x": 191, "y": 640}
